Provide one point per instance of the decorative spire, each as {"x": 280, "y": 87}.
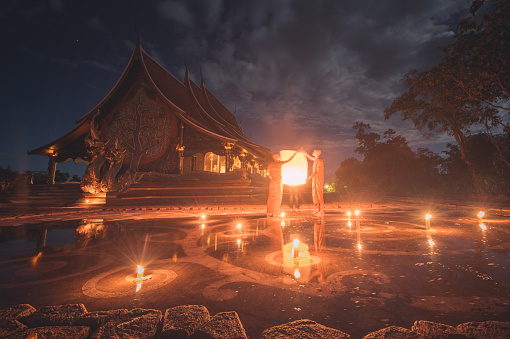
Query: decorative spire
{"x": 137, "y": 36}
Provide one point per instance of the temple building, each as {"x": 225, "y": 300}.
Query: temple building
{"x": 150, "y": 122}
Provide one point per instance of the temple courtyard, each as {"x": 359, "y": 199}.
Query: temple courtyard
{"x": 388, "y": 266}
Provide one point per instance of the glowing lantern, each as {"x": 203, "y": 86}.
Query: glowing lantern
{"x": 295, "y": 172}
{"x": 295, "y": 249}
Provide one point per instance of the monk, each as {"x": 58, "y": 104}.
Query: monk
{"x": 274, "y": 198}
{"x": 317, "y": 178}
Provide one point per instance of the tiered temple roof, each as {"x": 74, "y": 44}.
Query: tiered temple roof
{"x": 195, "y": 106}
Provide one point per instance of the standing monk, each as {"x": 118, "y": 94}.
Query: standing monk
{"x": 274, "y": 198}
{"x": 317, "y": 178}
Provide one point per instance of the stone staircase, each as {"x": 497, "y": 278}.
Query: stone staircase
{"x": 193, "y": 189}
{"x": 38, "y": 195}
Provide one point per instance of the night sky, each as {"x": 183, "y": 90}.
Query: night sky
{"x": 298, "y": 73}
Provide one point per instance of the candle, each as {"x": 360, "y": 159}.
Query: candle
{"x": 427, "y": 221}
{"x": 296, "y": 248}
{"x": 480, "y": 217}
{"x": 139, "y": 272}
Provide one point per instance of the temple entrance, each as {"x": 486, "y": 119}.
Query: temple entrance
{"x": 214, "y": 163}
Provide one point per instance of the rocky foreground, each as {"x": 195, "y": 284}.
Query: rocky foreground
{"x": 194, "y": 321}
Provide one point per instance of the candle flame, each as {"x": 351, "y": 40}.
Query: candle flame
{"x": 483, "y": 227}
{"x": 239, "y": 242}
{"x": 282, "y": 223}
{"x": 297, "y": 274}
{"x": 203, "y": 216}
{"x": 296, "y": 243}
{"x": 349, "y": 213}
{"x": 139, "y": 271}
{"x": 239, "y": 226}
{"x": 282, "y": 214}
{"x": 349, "y": 223}
{"x": 203, "y": 226}
{"x": 481, "y": 214}
{"x": 138, "y": 286}
{"x": 431, "y": 242}
{"x": 356, "y": 212}
{"x": 428, "y": 216}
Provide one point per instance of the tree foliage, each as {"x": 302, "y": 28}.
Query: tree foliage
{"x": 469, "y": 89}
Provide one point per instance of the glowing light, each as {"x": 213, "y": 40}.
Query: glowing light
{"x": 282, "y": 223}
{"x": 239, "y": 226}
{"x": 87, "y": 201}
{"x": 139, "y": 272}
{"x": 356, "y": 212}
{"x": 359, "y": 246}
{"x": 295, "y": 249}
{"x": 480, "y": 217}
{"x": 349, "y": 223}
{"x": 203, "y": 216}
{"x": 138, "y": 286}
{"x": 427, "y": 221}
{"x": 294, "y": 172}
{"x": 203, "y": 226}
{"x": 483, "y": 227}
{"x": 326, "y": 186}
{"x": 282, "y": 214}
{"x": 431, "y": 242}
{"x": 296, "y": 273}
{"x": 238, "y": 242}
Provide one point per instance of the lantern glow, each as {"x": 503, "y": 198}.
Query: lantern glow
{"x": 295, "y": 248}
{"x": 295, "y": 172}
{"x": 297, "y": 274}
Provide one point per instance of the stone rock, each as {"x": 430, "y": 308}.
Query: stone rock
{"x": 183, "y": 321}
{"x": 434, "y": 330}
{"x": 16, "y": 312}
{"x": 60, "y": 315}
{"x": 485, "y": 329}
{"x": 224, "y": 325}
{"x": 53, "y": 332}
{"x": 137, "y": 323}
{"x": 100, "y": 318}
{"x": 9, "y": 327}
{"x": 394, "y": 332}
{"x": 302, "y": 329}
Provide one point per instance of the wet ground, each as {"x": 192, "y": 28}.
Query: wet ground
{"x": 386, "y": 269}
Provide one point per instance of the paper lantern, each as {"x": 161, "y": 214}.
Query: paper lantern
{"x": 294, "y": 172}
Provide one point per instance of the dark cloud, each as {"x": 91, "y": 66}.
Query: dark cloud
{"x": 298, "y": 73}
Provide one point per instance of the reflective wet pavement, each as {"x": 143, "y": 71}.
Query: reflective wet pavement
{"x": 388, "y": 269}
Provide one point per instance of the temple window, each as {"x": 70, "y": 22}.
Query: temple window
{"x": 214, "y": 163}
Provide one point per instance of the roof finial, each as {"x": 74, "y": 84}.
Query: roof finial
{"x": 137, "y": 35}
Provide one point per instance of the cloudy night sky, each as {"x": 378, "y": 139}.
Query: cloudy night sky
{"x": 298, "y": 73}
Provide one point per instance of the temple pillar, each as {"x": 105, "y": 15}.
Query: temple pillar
{"x": 228, "y": 157}
{"x": 52, "y": 168}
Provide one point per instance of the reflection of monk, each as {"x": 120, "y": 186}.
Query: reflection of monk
{"x": 274, "y": 198}
{"x": 317, "y": 178}
{"x": 319, "y": 234}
